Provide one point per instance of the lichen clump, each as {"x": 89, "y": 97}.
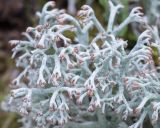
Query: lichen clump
{"x": 66, "y": 79}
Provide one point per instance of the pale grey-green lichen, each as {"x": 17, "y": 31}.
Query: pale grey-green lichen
{"x": 70, "y": 82}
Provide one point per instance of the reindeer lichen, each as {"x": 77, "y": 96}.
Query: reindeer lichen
{"x": 79, "y": 82}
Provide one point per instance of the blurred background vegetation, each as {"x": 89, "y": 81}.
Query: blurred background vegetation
{"x": 17, "y": 15}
